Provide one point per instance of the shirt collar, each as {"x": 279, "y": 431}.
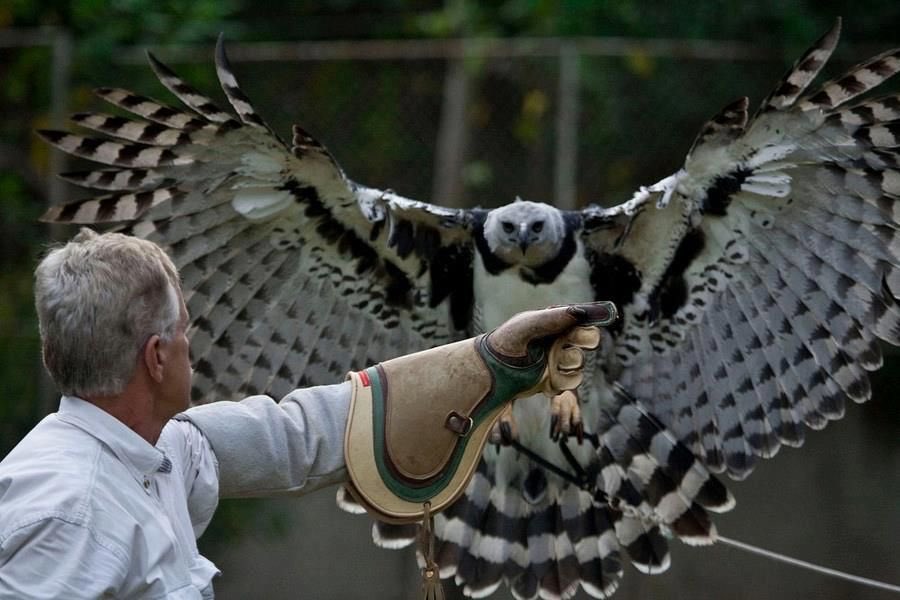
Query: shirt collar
{"x": 139, "y": 455}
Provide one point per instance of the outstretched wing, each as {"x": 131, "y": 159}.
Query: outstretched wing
{"x": 756, "y": 289}
{"x": 293, "y": 274}
{"x": 754, "y": 284}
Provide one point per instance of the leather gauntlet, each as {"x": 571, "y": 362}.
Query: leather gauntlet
{"x": 418, "y": 423}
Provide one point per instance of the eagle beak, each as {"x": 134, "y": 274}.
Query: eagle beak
{"x": 523, "y": 238}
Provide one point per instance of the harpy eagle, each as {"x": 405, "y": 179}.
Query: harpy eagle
{"x": 755, "y": 285}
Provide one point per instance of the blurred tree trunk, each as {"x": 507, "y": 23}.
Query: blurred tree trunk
{"x": 451, "y": 139}
{"x": 565, "y": 177}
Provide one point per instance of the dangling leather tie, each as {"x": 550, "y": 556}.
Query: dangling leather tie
{"x": 431, "y": 579}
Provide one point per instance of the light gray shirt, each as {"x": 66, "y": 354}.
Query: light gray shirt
{"x": 90, "y": 509}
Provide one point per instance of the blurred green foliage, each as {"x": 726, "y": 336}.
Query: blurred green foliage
{"x": 103, "y": 26}
{"x": 667, "y": 113}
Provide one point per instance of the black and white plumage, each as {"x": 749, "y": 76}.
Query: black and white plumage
{"x": 755, "y": 285}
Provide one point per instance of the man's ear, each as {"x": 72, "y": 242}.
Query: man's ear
{"x": 153, "y": 357}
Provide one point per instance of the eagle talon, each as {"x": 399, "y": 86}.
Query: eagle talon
{"x": 565, "y": 416}
{"x": 504, "y": 432}
{"x": 554, "y": 427}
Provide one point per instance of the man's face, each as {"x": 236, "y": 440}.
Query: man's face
{"x": 177, "y": 383}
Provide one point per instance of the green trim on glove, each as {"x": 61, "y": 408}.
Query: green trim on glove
{"x": 508, "y": 381}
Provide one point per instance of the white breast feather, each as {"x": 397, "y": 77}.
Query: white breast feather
{"x": 498, "y": 297}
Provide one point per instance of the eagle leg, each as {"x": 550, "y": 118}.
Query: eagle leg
{"x": 565, "y": 416}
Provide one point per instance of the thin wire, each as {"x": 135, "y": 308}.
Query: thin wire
{"x": 807, "y": 565}
{"x": 546, "y": 463}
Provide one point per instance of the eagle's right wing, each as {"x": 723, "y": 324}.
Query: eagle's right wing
{"x": 293, "y": 274}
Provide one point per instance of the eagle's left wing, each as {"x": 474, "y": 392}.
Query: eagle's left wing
{"x": 293, "y": 274}
{"x": 754, "y": 286}
{"x": 756, "y": 283}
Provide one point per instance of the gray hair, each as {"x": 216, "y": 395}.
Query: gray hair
{"x": 98, "y": 299}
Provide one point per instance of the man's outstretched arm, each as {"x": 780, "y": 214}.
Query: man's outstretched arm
{"x": 268, "y": 448}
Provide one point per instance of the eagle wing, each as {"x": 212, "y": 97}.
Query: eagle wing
{"x": 754, "y": 286}
{"x": 293, "y": 274}
{"x": 756, "y": 283}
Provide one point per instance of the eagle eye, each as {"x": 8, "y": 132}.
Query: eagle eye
{"x": 508, "y": 227}
{"x": 537, "y": 226}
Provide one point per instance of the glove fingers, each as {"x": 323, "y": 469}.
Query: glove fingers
{"x": 536, "y": 324}
{"x": 566, "y": 361}
{"x": 565, "y": 380}
{"x": 587, "y": 337}
{"x": 568, "y": 358}
{"x": 594, "y": 313}
{"x": 511, "y": 339}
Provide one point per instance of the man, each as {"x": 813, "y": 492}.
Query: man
{"x": 106, "y": 497}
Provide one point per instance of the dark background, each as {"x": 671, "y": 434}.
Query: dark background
{"x": 647, "y": 75}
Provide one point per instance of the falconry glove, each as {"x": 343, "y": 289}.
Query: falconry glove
{"x": 419, "y": 423}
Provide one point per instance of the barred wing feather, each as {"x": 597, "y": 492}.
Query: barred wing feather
{"x": 293, "y": 274}
{"x": 769, "y": 276}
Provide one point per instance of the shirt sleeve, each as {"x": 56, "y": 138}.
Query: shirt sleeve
{"x": 198, "y": 467}
{"x": 264, "y": 448}
{"x": 56, "y": 558}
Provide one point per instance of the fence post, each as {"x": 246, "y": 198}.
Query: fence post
{"x": 565, "y": 188}
{"x": 451, "y": 139}
{"x": 60, "y": 81}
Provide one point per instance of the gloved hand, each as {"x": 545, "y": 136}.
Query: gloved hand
{"x": 418, "y": 423}
{"x": 554, "y": 338}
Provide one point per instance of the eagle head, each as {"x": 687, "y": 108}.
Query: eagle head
{"x": 525, "y": 233}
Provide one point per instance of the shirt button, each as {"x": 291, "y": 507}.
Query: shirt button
{"x": 146, "y": 483}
